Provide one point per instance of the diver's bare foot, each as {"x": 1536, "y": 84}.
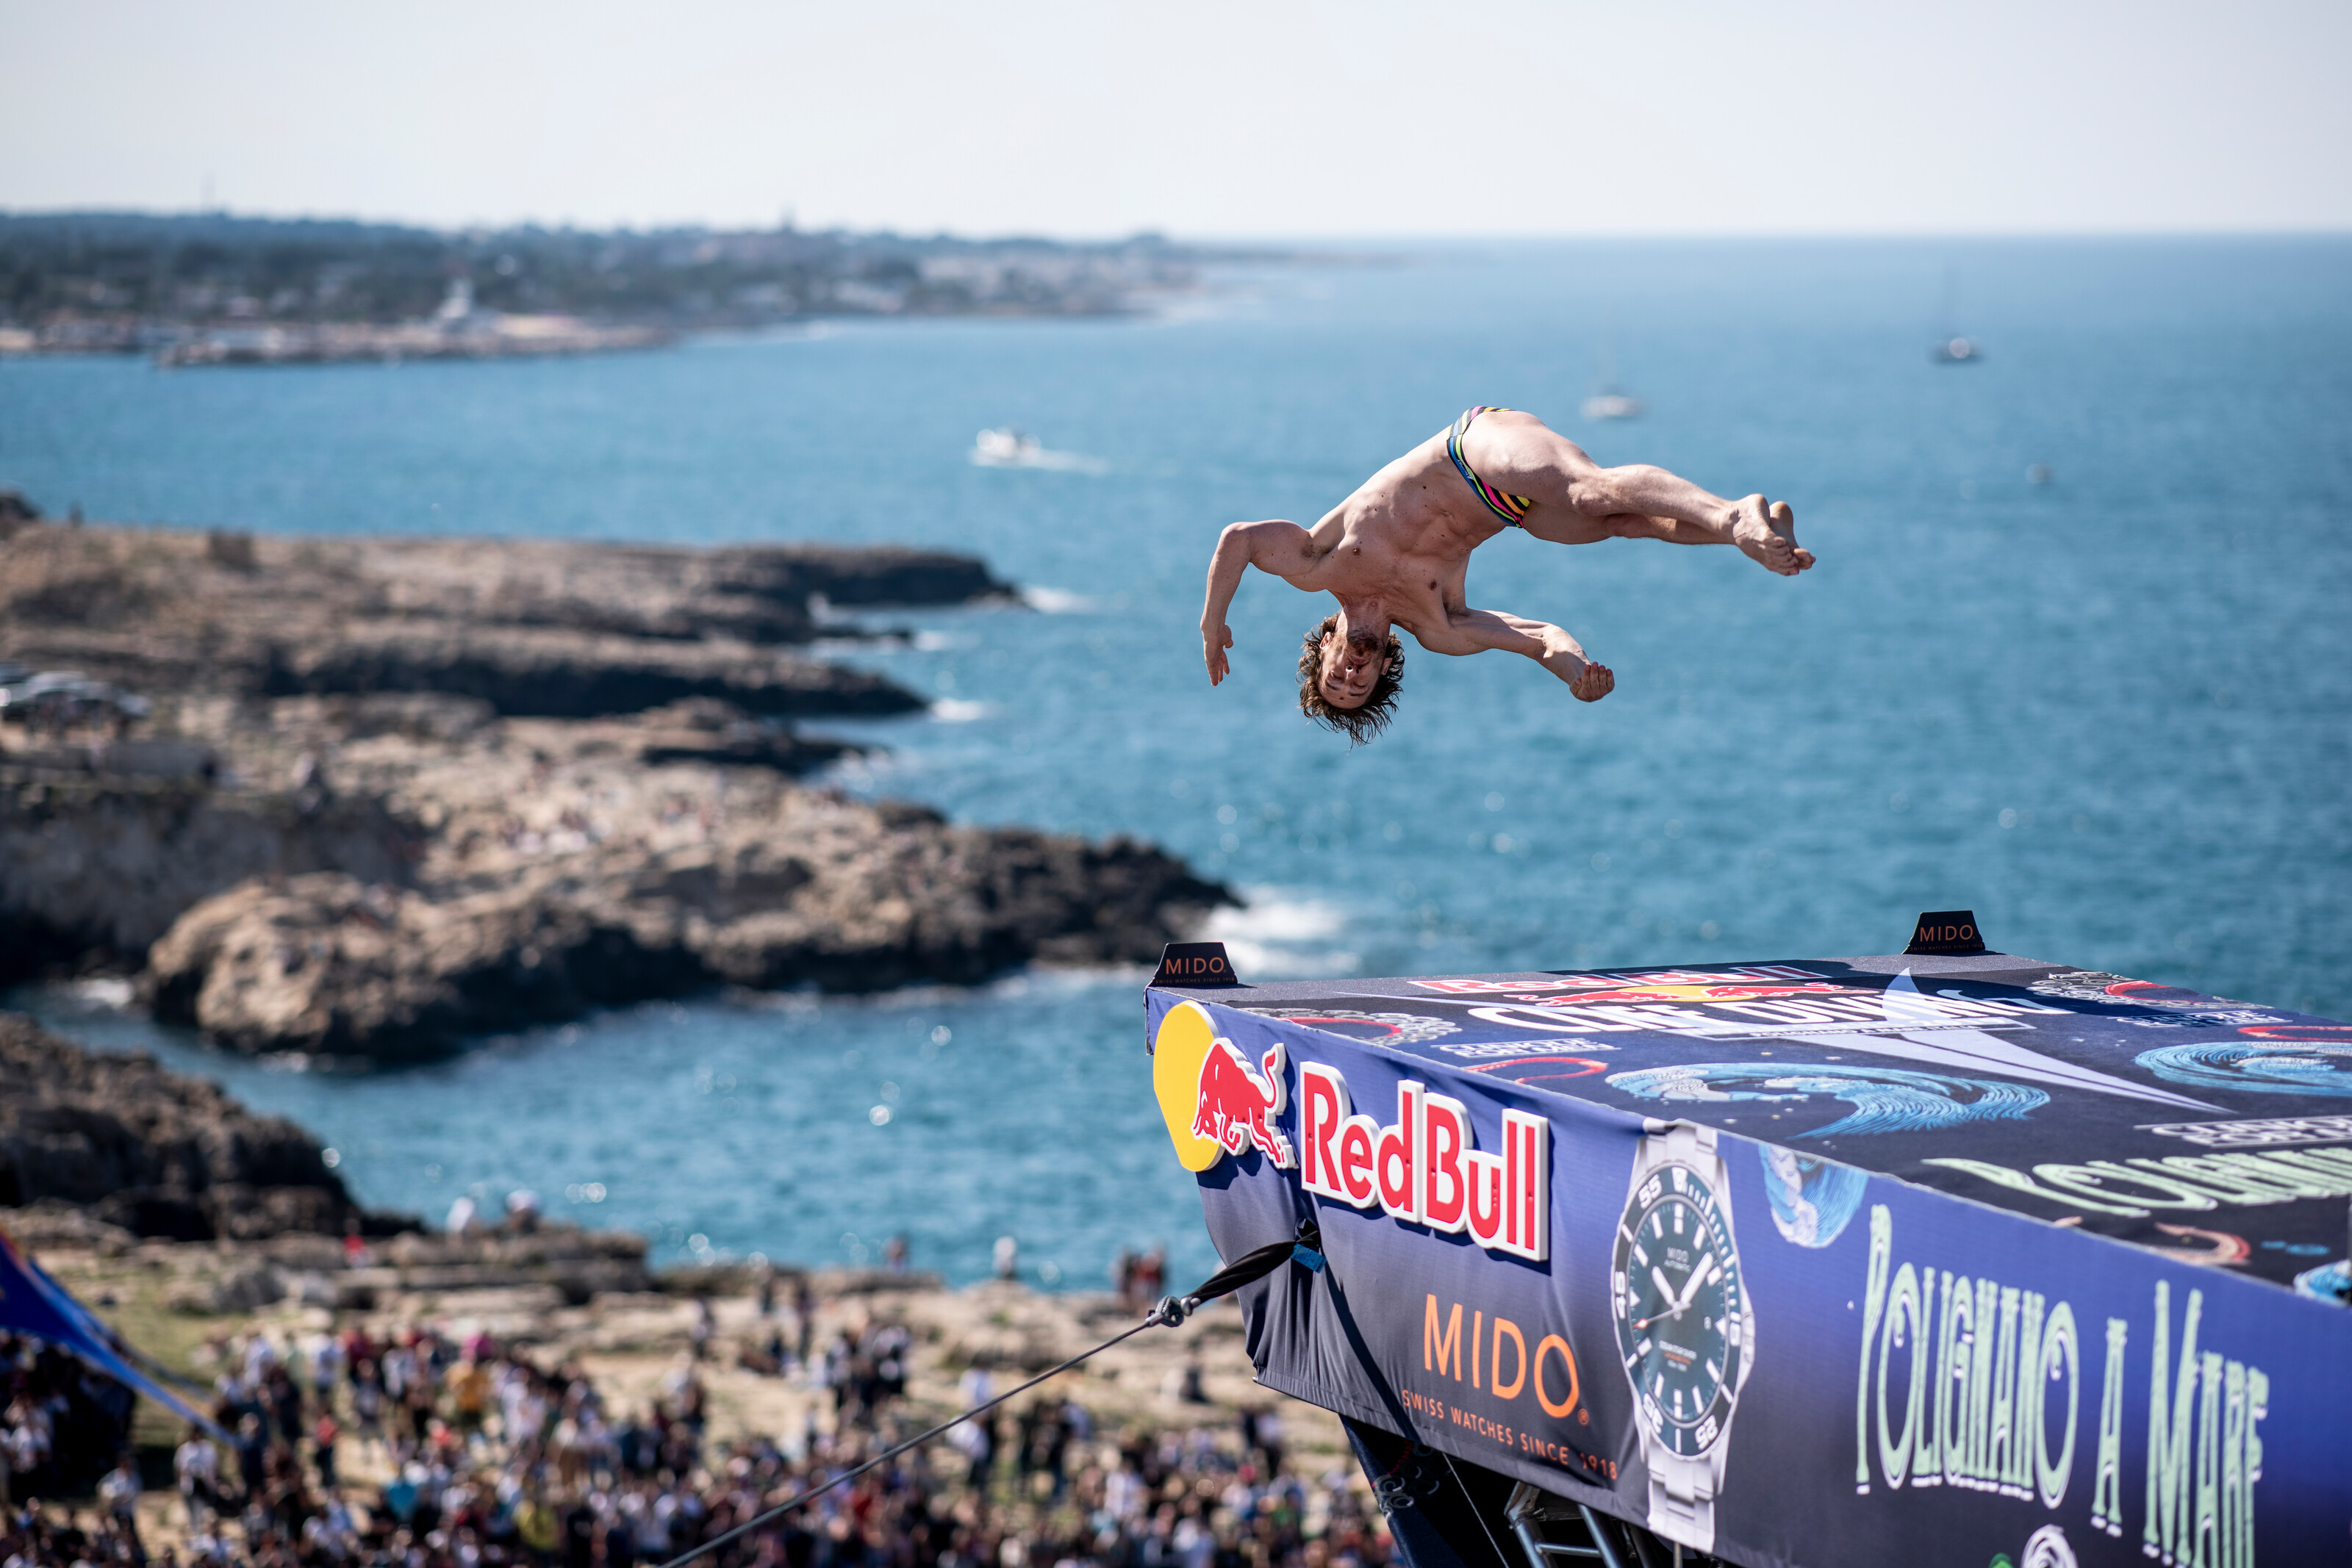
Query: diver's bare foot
{"x": 1784, "y": 523}
{"x": 1766, "y": 534}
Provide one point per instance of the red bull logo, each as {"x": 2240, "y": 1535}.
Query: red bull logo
{"x": 1424, "y": 1168}
{"x": 1214, "y": 1100}
{"x": 1235, "y": 1107}
{"x": 1421, "y": 1168}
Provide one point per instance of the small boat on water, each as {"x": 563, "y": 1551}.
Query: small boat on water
{"x": 1606, "y": 402}
{"x": 1012, "y": 448}
{"x": 1007, "y": 448}
{"x": 1612, "y": 405}
{"x": 1950, "y": 348}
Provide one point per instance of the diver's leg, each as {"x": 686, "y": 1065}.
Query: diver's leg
{"x": 1578, "y": 501}
{"x": 1674, "y": 531}
{"x": 1765, "y": 531}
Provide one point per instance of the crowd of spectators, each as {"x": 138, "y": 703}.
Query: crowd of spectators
{"x": 62, "y": 1426}
{"x": 494, "y": 1457}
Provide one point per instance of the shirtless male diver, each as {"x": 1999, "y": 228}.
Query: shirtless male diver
{"x": 1395, "y": 553}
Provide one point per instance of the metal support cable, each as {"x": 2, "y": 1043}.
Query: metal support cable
{"x": 1170, "y": 1312}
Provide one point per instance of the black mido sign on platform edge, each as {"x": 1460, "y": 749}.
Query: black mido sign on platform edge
{"x": 1193, "y": 965}
{"x": 1947, "y": 933}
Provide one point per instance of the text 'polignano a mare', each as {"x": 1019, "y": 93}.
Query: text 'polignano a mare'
{"x": 1977, "y": 1383}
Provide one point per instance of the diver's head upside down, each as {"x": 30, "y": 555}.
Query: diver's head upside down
{"x": 1348, "y": 682}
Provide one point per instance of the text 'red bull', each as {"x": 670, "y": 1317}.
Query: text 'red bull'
{"x": 1232, "y": 1107}
{"x": 1423, "y": 1170}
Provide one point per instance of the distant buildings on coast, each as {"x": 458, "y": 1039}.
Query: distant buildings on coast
{"x": 457, "y": 331}
{"x": 213, "y": 291}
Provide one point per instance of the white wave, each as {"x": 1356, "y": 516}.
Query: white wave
{"x": 1052, "y": 462}
{"x": 1056, "y": 601}
{"x": 956, "y": 710}
{"x": 104, "y": 994}
{"x": 1276, "y": 936}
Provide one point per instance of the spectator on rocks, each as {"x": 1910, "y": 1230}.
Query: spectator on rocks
{"x": 118, "y": 1493}
{"x": 322, "y": 1448}
{"x": 252, "y": 1455}
{"x": 706, "y": 1328}
{"x": 195, "y": 1465}
{"x": 803, "y": 1315}
{"x": 1152, "y": 1275}
{"x": 1122, "y": 1279}
{"x": 367, "y": 1401}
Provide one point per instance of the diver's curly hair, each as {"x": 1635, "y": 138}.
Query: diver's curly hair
{"x": 1358, "y": 723}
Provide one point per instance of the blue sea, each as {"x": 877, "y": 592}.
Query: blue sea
{"x": 2111, "y": 711}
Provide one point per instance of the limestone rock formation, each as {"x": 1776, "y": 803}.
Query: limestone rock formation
{"x": 404, "y": 791}
{"x": 547, "y": 627}
{"x": 102, "y": 866}
{"x": 798, "y": 888}
{"x": 151, "y": 1151}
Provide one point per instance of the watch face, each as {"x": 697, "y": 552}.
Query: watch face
{"x": 1681, "y": 1308}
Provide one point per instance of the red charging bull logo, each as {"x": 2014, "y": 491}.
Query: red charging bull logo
{"x": 1234, "y": 1106}
{"x": 1215, "y": 1101}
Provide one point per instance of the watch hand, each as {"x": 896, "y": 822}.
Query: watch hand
{"x": 1665, "y": 1294}
{"x": 1690, "y": 1286}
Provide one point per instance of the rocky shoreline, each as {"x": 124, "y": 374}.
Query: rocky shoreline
{"x": 393, "y": 793}
{"x": 128, "y": 1144}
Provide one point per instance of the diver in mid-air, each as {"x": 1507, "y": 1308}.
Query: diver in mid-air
{"x": 1396, "y": 554}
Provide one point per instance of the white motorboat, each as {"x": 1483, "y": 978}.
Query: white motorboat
{"x": 1007, "y": 448}
{"x": 1606, "y": 402}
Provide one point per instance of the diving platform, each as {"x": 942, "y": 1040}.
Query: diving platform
{"x": 1791, "y": 1261}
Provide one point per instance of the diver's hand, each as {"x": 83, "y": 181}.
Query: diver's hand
{"x": 1595, "y": 682}
{"x": 1214, "y": 641}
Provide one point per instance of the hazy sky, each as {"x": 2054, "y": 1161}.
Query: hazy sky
{"x": 1204, "y": 117}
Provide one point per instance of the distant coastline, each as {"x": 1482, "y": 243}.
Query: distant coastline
{"x": 211, "y": 289}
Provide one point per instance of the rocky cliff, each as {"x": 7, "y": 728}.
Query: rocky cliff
{"x": 400, "y": 793}
{"x": 531, "y": 626}
{"x": 154, "y": 1152}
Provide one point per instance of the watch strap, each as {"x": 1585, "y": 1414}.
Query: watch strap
{"x": 1681, "y": 1497}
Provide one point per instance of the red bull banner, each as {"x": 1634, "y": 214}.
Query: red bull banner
{"x": 1980, "y": 1259}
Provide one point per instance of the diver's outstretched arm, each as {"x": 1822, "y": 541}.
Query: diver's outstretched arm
{"x": 1476, "y": 630}
{"x": 1284, "y": 548}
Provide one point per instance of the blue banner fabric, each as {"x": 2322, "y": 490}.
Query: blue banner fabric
{"x": 34, "y": 1304}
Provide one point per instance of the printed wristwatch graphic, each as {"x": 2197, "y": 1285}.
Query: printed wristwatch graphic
{"x": 1686, "y": 1331}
